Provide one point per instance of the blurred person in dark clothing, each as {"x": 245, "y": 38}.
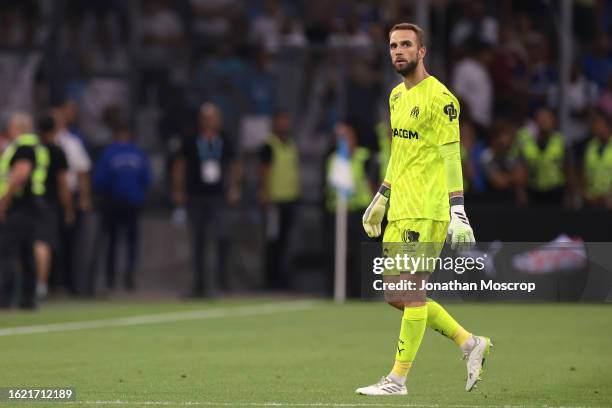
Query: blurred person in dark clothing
{"x": 205, "y": 177}
{"x": 57, "y": 209}
{"x": 23, "y": 170}
{"x": 542, "y": 148}
{"x": 597, "y": 162}
{"x": 365, "y": 174}
{"x": 471, "y": 149}
{"x": 79, "y": 184}
{"x": 279, "y": 191}
{"x": 505, "y": 173}
{"x": 121, "y": 177}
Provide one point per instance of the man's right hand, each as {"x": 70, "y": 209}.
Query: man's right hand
{"x": 374, "y": 214}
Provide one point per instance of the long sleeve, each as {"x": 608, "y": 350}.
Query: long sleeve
{"x": 451, "y": 154}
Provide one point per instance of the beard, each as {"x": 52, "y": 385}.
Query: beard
{"x": 408, "y": 69}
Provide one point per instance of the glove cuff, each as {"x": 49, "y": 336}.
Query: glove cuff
{"x": 459, "y": 200}
{"x": 384, "y": 191}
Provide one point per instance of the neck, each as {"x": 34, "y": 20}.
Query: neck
{"x": 419, "y": 74}
{"x": 209, "y": 133}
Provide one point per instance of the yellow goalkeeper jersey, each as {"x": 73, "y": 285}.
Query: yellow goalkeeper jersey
{"x": 422, "y": 118}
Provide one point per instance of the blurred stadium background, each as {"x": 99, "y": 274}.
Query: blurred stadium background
{"x": 532, "y": 76}
{"x": 146, "y": 67}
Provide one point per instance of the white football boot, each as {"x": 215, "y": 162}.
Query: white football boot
{"x": 475, "y": 359}
{"x": 385, "y": 386}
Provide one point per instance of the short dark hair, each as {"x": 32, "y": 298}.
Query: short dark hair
{"x": 412, "y": 27}
{"x": 45, "y": 123}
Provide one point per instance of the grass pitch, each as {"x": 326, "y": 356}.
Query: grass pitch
{"x": 307, "y": 354}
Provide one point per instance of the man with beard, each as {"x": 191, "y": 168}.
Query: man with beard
{"x": 424, "y": 172}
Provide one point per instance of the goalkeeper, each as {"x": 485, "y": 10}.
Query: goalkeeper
{"x": 423, "y": 184}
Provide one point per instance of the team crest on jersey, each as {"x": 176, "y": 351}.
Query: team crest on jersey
{"x": 410, "y": 236}
{"x": 414, "y": 113}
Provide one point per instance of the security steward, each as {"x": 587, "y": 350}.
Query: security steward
{"x": 279, "y": 191}
{"x": 543, "y": 152}
{"x": 23, "y": 171}
{"x": 364, "y": 172}
{"x": 597, "y": 163}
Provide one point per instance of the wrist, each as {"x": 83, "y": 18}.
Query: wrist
{"x": 456, "y": 201}
{"x": 385, "y": 191}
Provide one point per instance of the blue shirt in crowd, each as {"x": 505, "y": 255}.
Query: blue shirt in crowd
{"x": 123, "y": 173}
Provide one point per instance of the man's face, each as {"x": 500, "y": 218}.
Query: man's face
{"x": 405, "y": 51}
{"x": 59, "y": 117}
{"x": 282, "y": 124}
{"x": 18, "y": 125}
{"x": 70, "y": 112}
{"x": 210, "y": 118}
{"x": 13, "y": 130}
{"x": 545, "y": 120}
{"x": 599, "y": 128}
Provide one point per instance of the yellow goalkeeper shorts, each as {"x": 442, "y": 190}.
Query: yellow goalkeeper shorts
{"x": 416, "y": 238}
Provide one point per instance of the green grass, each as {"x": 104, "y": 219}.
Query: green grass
{"x": 544, "y": 355}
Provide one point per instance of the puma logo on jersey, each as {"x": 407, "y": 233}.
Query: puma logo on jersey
{"x": 406, "y": 134}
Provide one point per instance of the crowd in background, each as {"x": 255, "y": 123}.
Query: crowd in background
{"x": 243, "y": 103}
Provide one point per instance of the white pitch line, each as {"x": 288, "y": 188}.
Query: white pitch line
{"x": 239, "y": 311}
{"x": 303, "y": 404}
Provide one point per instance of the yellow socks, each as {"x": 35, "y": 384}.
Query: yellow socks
{"x": 400, "y": 371}
{"x": 413, "y": 326}
{"x": 442, "y": 322}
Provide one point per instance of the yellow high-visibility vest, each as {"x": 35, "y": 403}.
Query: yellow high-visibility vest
{"x": 545, "y": 165}
{"x": 284, "y": 170}
{"x": 598, "y": 168}
{"x": 39, "y": 173}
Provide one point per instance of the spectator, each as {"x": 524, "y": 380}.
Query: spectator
{"x": 510, "y": 57}
{"x": 580, "y": 95}
{"x": 474, "y": 25}
{"x": 472, "y": 83}
{"x": 542, "y": 148}
{"x": 474, "y": 180}
{"x": 351, "y": 35}
{"x": 161, "y": 40}
{"x": 279, "y": 191}
{"x": 121, "y": 178}
{"x": 202, "y": 169}
{"x": 597, "y": 163}
{"x": 265, "y": 27}
{"x": 79, "y": 166}
{"x": 506, "y": 175}
{"x": 605, "y": 100}
{"x": 22, "y": 175}
{"x": 598, "y": 62}
{"x": 540, "y": 76}
{"x": 56, "y": 210}
{"x": 259, "y": 85}
{"x": 365, "y": 177}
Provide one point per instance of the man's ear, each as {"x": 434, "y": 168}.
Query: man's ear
{"x": 422, "y": 52}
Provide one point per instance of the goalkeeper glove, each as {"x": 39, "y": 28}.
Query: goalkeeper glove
{"x": 460, "y": 232}
{"x": 374, "y": 214}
